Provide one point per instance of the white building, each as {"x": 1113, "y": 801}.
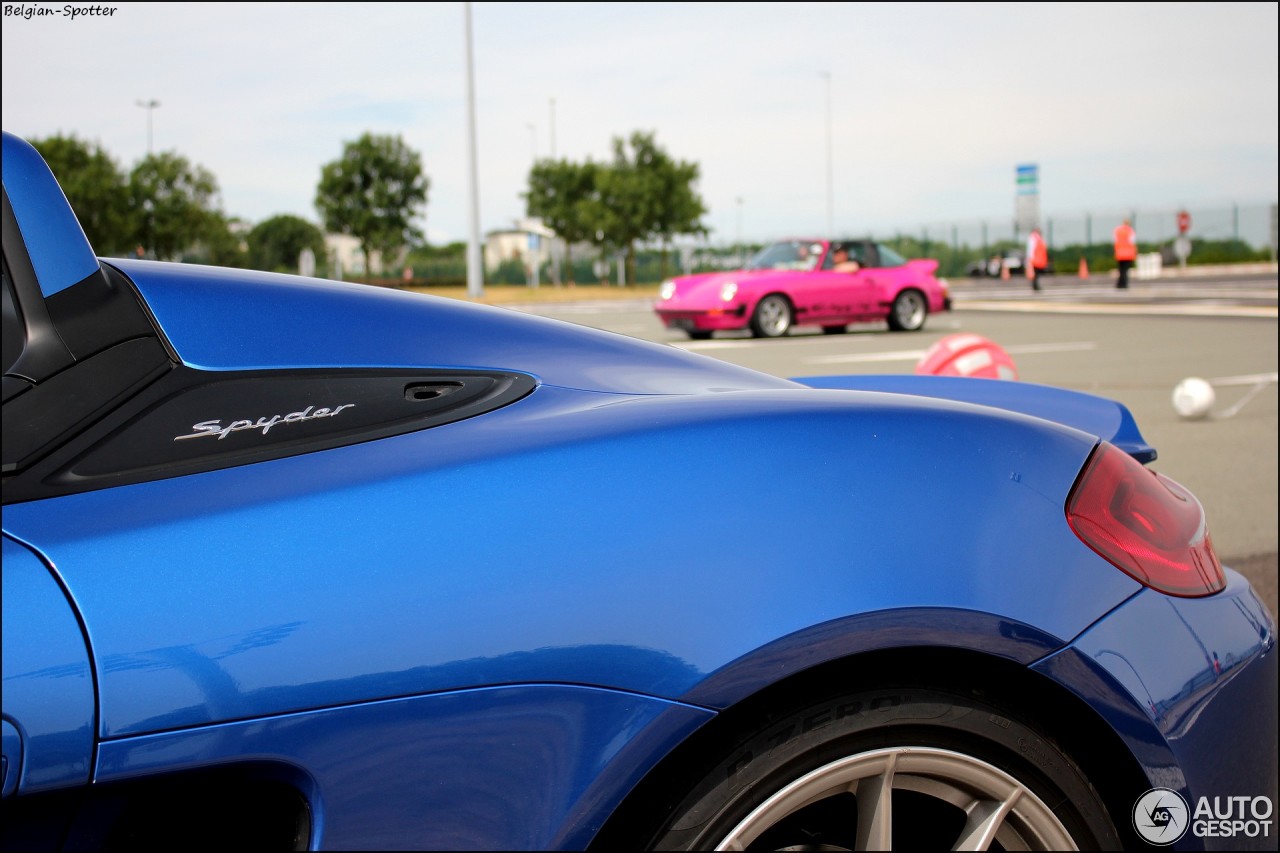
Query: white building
{"x": 345, "y": 254}
{"x": 529, "y": 242}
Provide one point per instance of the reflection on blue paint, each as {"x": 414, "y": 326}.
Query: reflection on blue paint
{"x": 514, "y": 768}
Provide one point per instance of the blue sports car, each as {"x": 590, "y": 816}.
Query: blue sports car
{"x": 296, "y": 564}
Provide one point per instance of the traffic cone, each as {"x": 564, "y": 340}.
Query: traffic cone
{"x": 1004, "y": 272}
{"x": 1084, "y": 268}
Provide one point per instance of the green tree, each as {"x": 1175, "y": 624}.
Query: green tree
{"x": 176, "y": 202}
{"x": 96, "y": 188}
{"x": 222, "y": 245}
{"x": 645, "y": 195}
{"x": 373, "y": 191}
{"x": 564, "y": 196}
{"x": 275, "y": 244}
{"x": 676, "y": 207}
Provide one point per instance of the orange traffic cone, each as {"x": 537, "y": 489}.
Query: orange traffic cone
{"x": 1004, "y": 272}
{"x": 1084, "y": 268}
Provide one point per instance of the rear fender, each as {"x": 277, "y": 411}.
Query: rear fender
{"x": 1107, "y": 419}
{"x": 925, "y": 266}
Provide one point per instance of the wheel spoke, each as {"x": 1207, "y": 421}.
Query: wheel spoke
{"x": 875, "y": 809}
{"x": 998, "y": 808}
{"x": 985, "y": 819}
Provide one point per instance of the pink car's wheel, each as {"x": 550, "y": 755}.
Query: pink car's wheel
{"x": 772, "y": 317}
{"x": 908, "y": 312}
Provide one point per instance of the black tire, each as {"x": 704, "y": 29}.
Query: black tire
{"x": 908, "y": 312}
{"x": 815, "y": 780}
{"x": 773, "y": 317}
{"x": 834, "y": 330}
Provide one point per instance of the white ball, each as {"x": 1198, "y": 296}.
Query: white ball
{"x": 1192, "y": 398}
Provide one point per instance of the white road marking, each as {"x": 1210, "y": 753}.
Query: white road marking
{"x": 1201, "y": 310}
{"x": 1252, "y": 379}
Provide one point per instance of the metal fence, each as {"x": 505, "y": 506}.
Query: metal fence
{"x": 1254, "y": 225}
{"x": 957, "y": 243}
{"x": 1227, "y": 233}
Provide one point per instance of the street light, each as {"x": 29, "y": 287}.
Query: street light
{"x": 739, "y": 234}
{"x": 149, "y": 106}
{"x": 553, "y": 128}
{"x": 827, "y": 76}
{"x": 475, "y": 269}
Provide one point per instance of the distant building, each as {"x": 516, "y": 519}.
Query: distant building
{"x": 346, "y": 255}
{"x": 528, "y": 241}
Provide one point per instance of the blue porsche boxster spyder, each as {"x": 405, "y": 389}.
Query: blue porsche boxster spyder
{"x": 297, "y": 564}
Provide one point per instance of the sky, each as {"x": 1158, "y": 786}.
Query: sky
{"x": 930, "y": 107}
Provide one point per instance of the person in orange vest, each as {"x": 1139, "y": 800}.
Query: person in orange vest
{"x": 1037, "y": 260}
{"x": 1126, "y": 252}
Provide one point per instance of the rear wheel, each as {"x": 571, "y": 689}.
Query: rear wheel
{"x": 772, "y": 317}
{"x": 908, "y": 311}
{"x": 900, "y": 767}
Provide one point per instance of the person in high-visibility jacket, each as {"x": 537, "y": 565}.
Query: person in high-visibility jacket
{"x": 1037, "y": 260}
{"x": 1126, "y": 252}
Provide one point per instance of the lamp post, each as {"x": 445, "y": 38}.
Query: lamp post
{"x": 827, "y": 76}
{"x": 553, "y": 128}
{"x": 475, "y": 268}
{"x": 739, "y": 233}
{"x": 149, "y": 106}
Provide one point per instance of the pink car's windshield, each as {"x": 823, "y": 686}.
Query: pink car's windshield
{"x": 788, "y": 255}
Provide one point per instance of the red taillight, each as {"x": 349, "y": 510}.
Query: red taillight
{"x": 1147, "y": 525}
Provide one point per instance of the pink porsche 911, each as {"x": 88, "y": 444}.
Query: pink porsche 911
{"x": 804, "y": 282}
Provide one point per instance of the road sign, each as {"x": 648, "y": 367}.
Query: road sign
{"x": 1182, "y": 248}
{"x": 1184, "y": 222}
{"x": 1026, "y": 202}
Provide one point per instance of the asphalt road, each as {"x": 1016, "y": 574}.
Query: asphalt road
{"x": 1133, "y": 346}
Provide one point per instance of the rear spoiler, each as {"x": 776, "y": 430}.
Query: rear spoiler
{"x": 1098, "y": 416}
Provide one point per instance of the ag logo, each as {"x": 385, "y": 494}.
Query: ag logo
{"x": 1160, "y": 816}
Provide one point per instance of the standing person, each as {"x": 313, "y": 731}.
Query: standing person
{"x": 1037, "y": 260}
{"x": 1126, "y": 252}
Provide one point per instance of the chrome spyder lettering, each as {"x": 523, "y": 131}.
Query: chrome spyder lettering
{"x": 205, "y": 429}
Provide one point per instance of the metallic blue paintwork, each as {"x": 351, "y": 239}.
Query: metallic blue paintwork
{"x": 48, "y": 685}
{"x": 58, "y": 248}
{"x": 1104, "y": 418}
{"x": 1186, "y": 683}
{"x": 12, "y": 742}
{"x": 364, "y": 572}
{"x": 237, "y": 320}
{"x": 515, "y": 768}
{"x": 481, "y": 611}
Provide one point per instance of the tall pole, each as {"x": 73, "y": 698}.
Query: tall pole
{"x": 827, "y": 76}
{"x": 149, "y": 106}
{"x": 553, "y": 128}
{"x": 475, "y": 268}
{"x": 741, "y": 260}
